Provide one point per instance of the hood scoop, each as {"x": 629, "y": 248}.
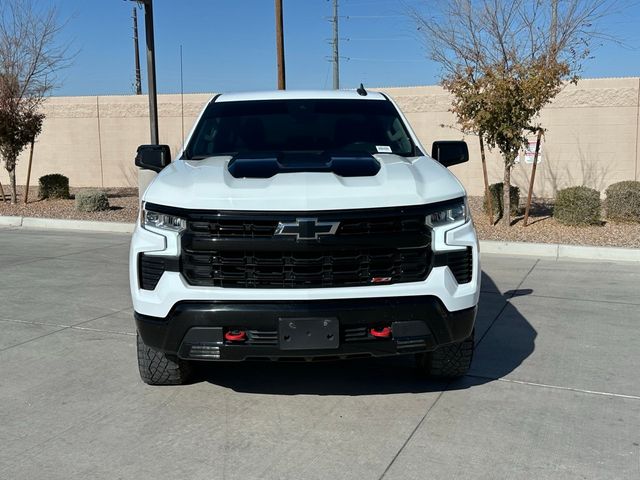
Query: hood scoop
{"x": 267, "y": 165}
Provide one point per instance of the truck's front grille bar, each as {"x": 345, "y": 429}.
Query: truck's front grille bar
{"x": 245, "y": 250}
{"x": 241, "y": 228}
{"x": 293, "y": 269}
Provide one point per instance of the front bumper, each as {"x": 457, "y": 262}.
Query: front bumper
{"x": 172, "y": 287}
{"x": 194, "y": 330}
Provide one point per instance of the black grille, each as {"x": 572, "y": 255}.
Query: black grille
{"x": 242, "y": 250}
{"x": 461, "y": 265}
{"x": 270, "y": 337}
{"x": 151, "y": 269}
{"x": 305, "y": 269}
{"x": 230, "y": 228}
{"x": 242, "y": 228}
{"x": 355, "y": 334}
{"x": 384, "y": 225}
{"x": 262, "y": 337}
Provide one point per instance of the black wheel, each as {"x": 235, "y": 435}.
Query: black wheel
{"x": 448, "y": 361}
{"x": 158, "y": 368}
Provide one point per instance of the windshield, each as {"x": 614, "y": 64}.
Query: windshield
{"x": 371, "y": 126}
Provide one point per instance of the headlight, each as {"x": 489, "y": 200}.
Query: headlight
{"x": 455, "y": 214}
{"x": 162, "y": 221}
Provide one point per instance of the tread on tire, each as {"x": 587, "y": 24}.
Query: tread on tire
{"x": 448, "y": 361}
{"x": 157, "y": 368}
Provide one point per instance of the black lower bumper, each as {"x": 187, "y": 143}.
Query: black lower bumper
{"x": 196, "y": 330}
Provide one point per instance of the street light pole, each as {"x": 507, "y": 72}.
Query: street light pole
{"x": 151, "y": 67}
{"x": 151, "y": 71}
{"x": 145, "y": 177}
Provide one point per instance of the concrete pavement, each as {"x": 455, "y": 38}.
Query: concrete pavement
{"x": 553, "y": 392}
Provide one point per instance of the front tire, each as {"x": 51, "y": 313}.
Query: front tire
{"x": 448, "y": 361}
{"x": 158, "y": 368}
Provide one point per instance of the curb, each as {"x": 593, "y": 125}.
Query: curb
{"x": 560, "y": 251}
{"x": 62, "y": 224}
{"x": 546, "y": 250}
{"x": 11, "y": 221}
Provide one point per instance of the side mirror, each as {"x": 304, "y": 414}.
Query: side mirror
{"x": 450, "y": 152}
{"x": 153, "y": 157}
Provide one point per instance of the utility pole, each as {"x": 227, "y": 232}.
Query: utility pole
{"x": 181, "y": 95}
{"x": 138, "y": 84}
{"x": 336, "y": 55}
{"x": 282, "y": 83}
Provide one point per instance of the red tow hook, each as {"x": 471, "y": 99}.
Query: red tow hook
{"x": 384, "y": 332}
{"x": 235, "y": 336}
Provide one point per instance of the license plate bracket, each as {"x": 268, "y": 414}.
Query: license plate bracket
{"x": 309, "y": 333}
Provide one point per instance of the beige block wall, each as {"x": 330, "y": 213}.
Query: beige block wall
{"x": 93, "y": 140}
{"x": 592, "y": 136}
{"x": 591, "y": 139}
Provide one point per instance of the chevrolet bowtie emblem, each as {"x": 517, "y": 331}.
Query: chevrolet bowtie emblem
{"x": 307, "y": 228}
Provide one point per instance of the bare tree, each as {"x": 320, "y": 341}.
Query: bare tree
{"x": 30, "y": 57}
{"x": 503, "y": 60}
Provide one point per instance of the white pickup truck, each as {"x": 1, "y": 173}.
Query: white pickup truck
{"x": 303, "y": 225}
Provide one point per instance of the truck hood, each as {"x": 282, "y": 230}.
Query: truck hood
{"x": 207, "y": 185}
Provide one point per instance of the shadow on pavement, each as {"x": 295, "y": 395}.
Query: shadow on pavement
{"x": 379, "y": 376}
{"x": 522, "y": 292}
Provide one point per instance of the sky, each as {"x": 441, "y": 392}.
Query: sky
{"x": 229, "y": 45}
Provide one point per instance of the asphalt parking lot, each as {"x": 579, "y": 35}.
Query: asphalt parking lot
{"x": 554, "y": 391}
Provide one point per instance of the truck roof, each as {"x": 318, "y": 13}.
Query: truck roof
{"x": 299, "y": 95}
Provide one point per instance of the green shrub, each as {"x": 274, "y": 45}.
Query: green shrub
{"x": 496, "y": 190}
{"x": 577, "y": 206}
{"x": 92, "y": 201}
{"x": 623, "y": 201}
{"x": 53, "y": 186}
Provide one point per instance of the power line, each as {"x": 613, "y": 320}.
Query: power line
{"x": 383, "y": 60}
{"x": 375, "y": 39}
{"x": 349, "y": 17}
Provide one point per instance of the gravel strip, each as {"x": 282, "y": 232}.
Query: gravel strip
{"x": 542, "y": 227}
{"x": 123, "y": 203}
